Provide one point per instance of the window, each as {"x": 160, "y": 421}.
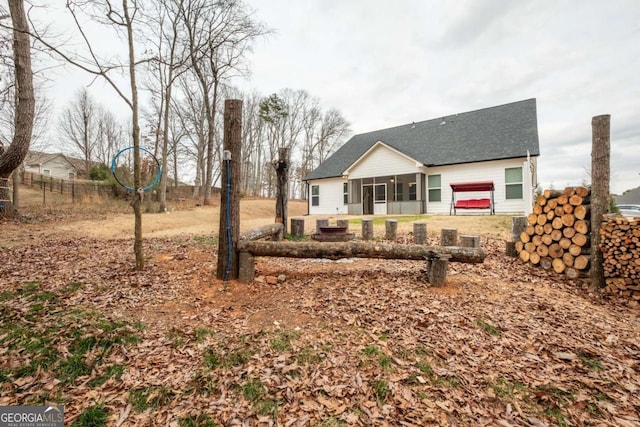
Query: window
{"x": 46, "y": 172}
{"x": 399, "y": 192}
{"x": 315, "y": 195}
{"x": 345, "y": 191}
{"x": 513, "y": 183}
{"x": 435, "y": 188}
{"x": 412, "y": 191}
{"x": 72, "y": 175}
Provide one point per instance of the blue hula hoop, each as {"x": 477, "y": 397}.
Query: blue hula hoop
{"x": 148, "y": 187}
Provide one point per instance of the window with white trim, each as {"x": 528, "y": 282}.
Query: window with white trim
{"x": 315, "y": 195}
{"x": 513, "y": 183}
{"x": 345, "y": 191}
{"x": 412, "y": 191}
{"x": 435, "y": 188}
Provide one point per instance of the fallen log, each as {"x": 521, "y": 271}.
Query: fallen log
{"x": 270, "y": 230}
{"x": 336, "y": 250}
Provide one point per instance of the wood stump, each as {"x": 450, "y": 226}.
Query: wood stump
{"x": 343, "y": 223}
{"x": 449, "y": 237}
{"x": 367, "y": 229}
{"x": 420, "y": 233}
{"x": 391, "y": 229}
{"x": 323, "y": 222}
{"x": 437, "y": 269}
{"x": 246, "y": 267}
{"x": 468, "y": 241}
{"x": 297, "y": 227}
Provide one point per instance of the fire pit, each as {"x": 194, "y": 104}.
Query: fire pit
{"x": 333, "y": 233}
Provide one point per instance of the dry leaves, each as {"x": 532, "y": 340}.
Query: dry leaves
{"x": 356, "y": 342}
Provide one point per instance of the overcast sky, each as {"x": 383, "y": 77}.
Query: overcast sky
{"x": 385, "y": 63}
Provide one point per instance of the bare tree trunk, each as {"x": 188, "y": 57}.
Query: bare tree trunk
{"x": 282, "y": 190}
{"x": 229, "y": 231}
{"x": 137, "y": 175}
{"x": 600, "y": 174}
{"x": 13, "y": 156}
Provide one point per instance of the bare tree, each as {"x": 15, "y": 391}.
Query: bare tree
{"x": 12, "y": 156}
{"x": 122, "y": 20}
{"x": 219, "y": 36}
{"x": 79, "y": 127}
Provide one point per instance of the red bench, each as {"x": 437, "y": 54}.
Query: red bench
{"x": 473, "y": 204}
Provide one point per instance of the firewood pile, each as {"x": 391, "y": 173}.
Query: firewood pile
{"x": 557, "y": 234}
{"x": 620, "y": 246}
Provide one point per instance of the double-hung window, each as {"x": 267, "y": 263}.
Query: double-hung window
{"x": 315, "y": 195}
{"x": 513, "y": 183}
{"x": 435, "y": 188}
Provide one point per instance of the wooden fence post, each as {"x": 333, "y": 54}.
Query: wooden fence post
{"x": 321, "y": 222}
{"x": 297, "y": 227}
{"x": 468, "y": 241}
{"x": 367, "y": 229}
{"x": 449, "y": 237}
{"x": 391, "y": 229}
{"x": 518, "y": 225}
{"x": 229, "y": 231}
{"x": 343, "y": 223}
{"x": 420, "y": 233}
{"x": 600, "y": 174}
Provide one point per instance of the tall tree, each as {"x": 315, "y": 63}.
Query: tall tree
{"x": 80, "y": 127}
{"x": 219, "y": 36}
{"x": 12, "y": 156}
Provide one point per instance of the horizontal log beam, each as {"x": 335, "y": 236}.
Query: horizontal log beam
{"x": 270, "y": 230}
{"x": 336, "y": 250}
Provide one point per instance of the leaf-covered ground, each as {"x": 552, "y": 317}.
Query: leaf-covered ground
{"x": 337, "y": 343}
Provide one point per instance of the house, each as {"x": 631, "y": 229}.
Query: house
{"x": 414, "y": 168}
{"x": 56, "y": 165}
{"x": 629, "y": 197}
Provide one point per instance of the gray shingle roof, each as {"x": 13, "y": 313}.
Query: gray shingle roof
{"x": 502, "y": 132}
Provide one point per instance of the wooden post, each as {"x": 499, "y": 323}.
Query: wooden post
{"x": 282, "y": 186}
{"x": 297, "y": 227}
{"x": 468, "y": 241}
{"x": 321, "y": 222}
{"x": 246, "y": 269}
{"x": 343, "y": 223}
{"x": 600, "y": 174}
{"x": 229, "y": 231}
{"x": 518, "y": 225}
{"x": 391, "y": 229}
{"x": 367, "y": 229}
{"x": 449, "y": 237}
{"x": 438, "y": 271}
{"x": 420, "y": 233}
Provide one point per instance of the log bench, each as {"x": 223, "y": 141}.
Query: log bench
{"x": 249, "y": 249}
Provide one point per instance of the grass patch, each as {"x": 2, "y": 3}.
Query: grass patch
{"x": 203, "y": 384}
{"x": 211, "y": 359}
{"x": 72, "y": 287}
{"x": 488, "y": 327}
{"x": 293, "y": 238}
{"x": 206, "y": 240}
{"x": 144, "y": 398}
{"x": 203, "y": 333}
{"x": 94, "y": 416}
{"x": 332, "y": 422}
{"x": 556, "y": 414}
{"x": 112, "y": 371}
{"x": 385, "y": 363}
{"x": 506, "y": 389}
{"x": 202, "y": 420}
{"x": 591, "y": 362}
{"x": 255, "y": 392}
{"x": 72, "y": 368}
{"x": 308, "y": 356}
{"x": 381, "y": 390}
{"x": 282, "y": 341}
{"x": 371, "y": 351}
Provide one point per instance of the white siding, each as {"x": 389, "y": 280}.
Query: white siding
{"x": 382, "y": 161}
{"x": 484, "y": 171}
{"x": 59, "y": 167}
{"x": 331, "y": 197}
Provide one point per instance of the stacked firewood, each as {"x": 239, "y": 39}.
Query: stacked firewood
{"x": 620, "y": 246}
{"x": 557, "y": 234}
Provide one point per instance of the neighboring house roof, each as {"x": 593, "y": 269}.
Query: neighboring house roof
{"x": 502, "y": 132}
{"x": 37, "y": 158}
{"x": 629, "y": 197}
